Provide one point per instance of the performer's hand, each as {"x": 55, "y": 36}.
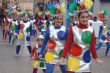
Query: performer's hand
{"x": 41, "y": 57}
{"x": 99, "y": 61}
{"x": 60, "y": 61}
{"x": 32, "y": 58}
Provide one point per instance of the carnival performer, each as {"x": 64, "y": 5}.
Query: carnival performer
{"x": 37, "y": 62}
{"x": 80, "y": 45}
{"x": 104, "y": 35}
{"x": 13, "y": 28}
{"x": 24, "y": 33}
{"x": 55, "y": 37}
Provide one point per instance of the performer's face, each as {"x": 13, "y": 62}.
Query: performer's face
{"x": 72, "y": 18}
{"x": 83, "y": 18}
{"x": 58, "y": 20}
{"x": 40, "y": 41}
{"x": 51, "y": 18}
{"x": 14, "y": 18}
{"x": 104, "y": 20}
{"x": 26, "y": 18}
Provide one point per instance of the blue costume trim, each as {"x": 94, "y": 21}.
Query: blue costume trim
{"x": 100, "y": 31}
{"x": 45, "y": 41}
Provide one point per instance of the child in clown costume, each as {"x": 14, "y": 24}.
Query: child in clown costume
{"x": 38, "y": 63}
{"x": 80, "y": 45}
{"x": 104, "y": 35}
{"x": 24, "y": 32}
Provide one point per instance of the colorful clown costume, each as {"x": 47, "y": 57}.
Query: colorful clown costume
{"x": 7, "y": 23}
{"x": 24, "y": 33}
{"x": 104, "y": 37}
{"x": 13, "y": 31}
{"x": 37, "y": 63}
{"x": 53, "y": 43}
{"x": 79, "y": 54}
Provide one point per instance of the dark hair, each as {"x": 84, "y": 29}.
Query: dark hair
{"x": 79, "y": 14}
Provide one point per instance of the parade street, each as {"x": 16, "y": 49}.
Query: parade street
{"x": 9, "y": 63}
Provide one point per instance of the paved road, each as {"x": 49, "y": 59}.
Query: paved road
{"x": 10, "y": 64}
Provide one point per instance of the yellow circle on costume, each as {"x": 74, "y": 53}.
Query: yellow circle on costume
{"x": 20, "y": 35}
{"x": 35, "y": 63}
{"x": 73, "y": 63}
{"x": 49, "y": 57}
{"x": 104, "y": 31}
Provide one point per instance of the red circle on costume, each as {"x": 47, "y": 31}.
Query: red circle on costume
{"x": 51, "y": 44}
{"x": 21, "y": 26}
{"x": 76, "y": 50}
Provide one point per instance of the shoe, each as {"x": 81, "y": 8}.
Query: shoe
{"x": 16, "y": 55}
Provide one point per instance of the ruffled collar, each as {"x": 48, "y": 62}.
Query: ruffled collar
{"x": 57, "y": 27}
{"x": 82, "y": 26}
{"x": 25, "y": 21}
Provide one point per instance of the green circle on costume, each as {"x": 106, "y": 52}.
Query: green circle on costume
{"x": 28, "y": 29}
{"x": 86, "y": 37}
{"x": 42, "y": 63}
{"x": 60, "y": 53}
{"x": 42, "y": 27}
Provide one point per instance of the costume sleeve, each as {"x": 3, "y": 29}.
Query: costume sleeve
{"x": 10, "y": 25}
{"x": 93, "y": 46}
{"x": 33, "y": 51}
{"x": 68, "y": 43}
{"x": 46, "y": 38}
{"x": 100, "y": 31}
{"x": 7, "y": 21}
{"x": 31, "y": 31}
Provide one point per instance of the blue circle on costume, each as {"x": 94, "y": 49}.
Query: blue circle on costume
{"x": 61, "y": 35}
{"x": 103, "y": 37}
{"x": 28, "y": 38}
{"x": 86, "y": 56}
